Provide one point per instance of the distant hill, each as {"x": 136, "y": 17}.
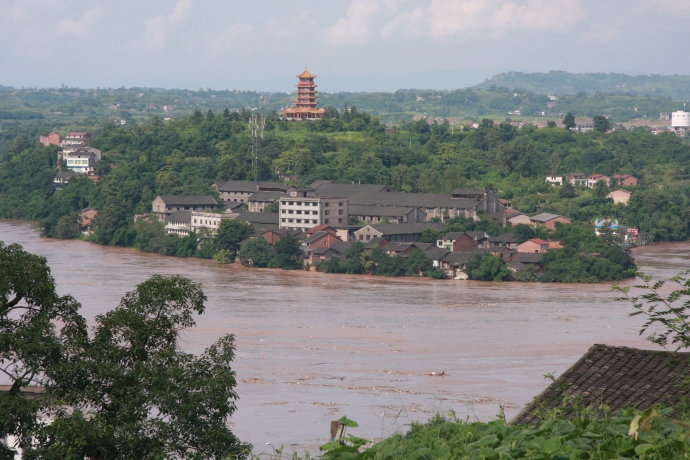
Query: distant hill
{"x": 558, "y": 82}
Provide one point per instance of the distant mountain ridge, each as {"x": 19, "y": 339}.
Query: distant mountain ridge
{"x": 557, "y": 82}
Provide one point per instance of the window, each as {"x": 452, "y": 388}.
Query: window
{"x": 340, "y": 221}
{"x": 340, "y": 203}
{"x": 340, "y": 211}
{"x": 325, "y": 221}
{"x": 326, "y": 212}
{"x": 326, "y": 203}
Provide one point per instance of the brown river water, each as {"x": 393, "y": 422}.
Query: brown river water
{"x": 313, "y": 347}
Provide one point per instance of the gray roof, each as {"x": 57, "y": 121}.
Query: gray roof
{"x": 503, "y": 238}
{"x": 408, "y": 228}
{"x": 329, "y": 189}
{"x": 619, "y": 377}
{"x": 342, "y": 246}
{"x": 374, "y": 210}
{"x": 184, "y": 217}
{"x": 401, "y": 247}
{"x": 266, "y": 196}
{"x": 459, "y": 258}
{"x": 189, "y": 200}
{"x": 544, "y": 217}
{"x": 248, "y": 186}
{"x": 417, "y": 200}
{"x": 315, "y": 237}
{"x": 64, "y": 175}
{"x": 253, "y": 218}
{"x": 435, "y": 253}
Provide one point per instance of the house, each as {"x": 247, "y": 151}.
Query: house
{"x": 409, "y": 232}
{"x": 554, "y": 180}
{"x": 624, "y": 180}
{"x": 164, "y": 205}
{"x": 537, "y": 246}
{"x": 76, "y": 138}
{"x": 595, "y": 178}
{"x": 463, "y": 241}
{"x": 274, "y": 235}
{"x": 259, "y": 220}
{"x": 258, "y": 201}
{"x": 515, "y": 217}
{"x": 303, "y": 209}
{"x": 618, "y": 377}
{"x": 321, "y": 239}
{"x": 620, "y": 196}
{"x": 86, "y": 216}
{"x": 179, "y": 223}
{"x": 81, "y": 159}
{"x": 504, "y": 240}
{"x": 373, "y": 214}
{"x": 329, "y": 189}
{"x": 62, "y": 178}
{"x": 49, "y": 139}
{"x": 208, "y": 222}
{"x": 241, "y": 190}
{"x": 577, "y": 179}
{"x": 548, "y": 220}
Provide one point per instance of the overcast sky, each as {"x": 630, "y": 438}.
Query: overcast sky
{"x": 351, "y": 45}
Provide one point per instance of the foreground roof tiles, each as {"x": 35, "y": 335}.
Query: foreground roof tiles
{"x": 619, "y": 377}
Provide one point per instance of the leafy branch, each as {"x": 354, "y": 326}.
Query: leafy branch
{"x": 669, "y": 312}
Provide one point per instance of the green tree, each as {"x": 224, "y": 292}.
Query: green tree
{"x": 230, "y": 233}
{"x": 488, "y": 268}
{"x": 601, "y": 124}
{"x": 31, "y": 339}
{"x": 256, "y": 252}
{"x": 130, "y": 392}
{"x": 569, "y": 121}
{"x": 287, "y": 253}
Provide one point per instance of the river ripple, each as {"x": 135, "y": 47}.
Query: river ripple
{"x": 312, "y": 347}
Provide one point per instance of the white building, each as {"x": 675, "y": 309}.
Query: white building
{"x": 680, "y": 121}
{"x": 302, "y": 210}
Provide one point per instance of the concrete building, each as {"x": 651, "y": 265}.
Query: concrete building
{"x": 301, "y": 210}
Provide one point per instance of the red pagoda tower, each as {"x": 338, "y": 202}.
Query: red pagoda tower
{"x": 305, "y": 107}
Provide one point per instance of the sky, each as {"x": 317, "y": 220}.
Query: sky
{"x": 351, "y": 45}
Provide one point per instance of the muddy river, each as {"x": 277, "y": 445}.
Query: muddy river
{"x": 385, "y": 352}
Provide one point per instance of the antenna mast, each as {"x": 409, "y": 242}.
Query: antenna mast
{"x": 257, "y": 122}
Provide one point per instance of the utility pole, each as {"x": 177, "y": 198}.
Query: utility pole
{"x": 257, "y": 122}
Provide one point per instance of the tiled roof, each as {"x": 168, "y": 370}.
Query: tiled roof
{"x": 184, "y": 217}
{"x": 247, "y": 186}
{"x": 503, "y": 238}
{"x": 373, "y": 210}
{"x": 329, "y": 189}
{"x": 421, "y": 200}
{"x": 619, "y": 377}
{"x": 258, "y": 217}
{"x": 544, "y": 217}
{"x": 529, "y": 257}
{"x": 265, "y": 196}
{"x": 189, "y": 200}
{"x": 402, "y": 229}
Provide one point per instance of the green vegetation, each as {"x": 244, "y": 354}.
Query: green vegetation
{"x": 591, "y": 434}
{"x": 559, "y": 82}
{"x": 667, "y": 314}
{"x": 131, "y": 391}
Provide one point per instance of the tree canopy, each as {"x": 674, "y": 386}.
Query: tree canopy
{"x": 122, "y": 390}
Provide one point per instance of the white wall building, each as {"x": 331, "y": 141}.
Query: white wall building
{"x": 302, "y": 210}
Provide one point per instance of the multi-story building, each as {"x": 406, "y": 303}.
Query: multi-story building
{"x": 301, "y": 209}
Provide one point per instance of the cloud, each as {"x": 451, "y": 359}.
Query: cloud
{"x": 81, "y": 27}
{"x": 157, "y": 27}
{"x": 665, "y": 7}
{"x": 447, "y": 19}
{"x": 230, "y": 38}
{"x": 355, "y": 28}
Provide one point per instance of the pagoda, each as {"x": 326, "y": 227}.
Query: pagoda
{"x": 305, "y": 106}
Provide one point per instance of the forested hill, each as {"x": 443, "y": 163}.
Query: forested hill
{"x": 79, "y": 107}
{"x": 558, "y": 82}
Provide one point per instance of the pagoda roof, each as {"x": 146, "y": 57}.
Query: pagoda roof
{"x": 306, "y": 74}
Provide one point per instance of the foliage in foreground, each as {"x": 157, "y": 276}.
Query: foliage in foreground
{"x": 120, "y": 390}
{"x": 589, "y": 435}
